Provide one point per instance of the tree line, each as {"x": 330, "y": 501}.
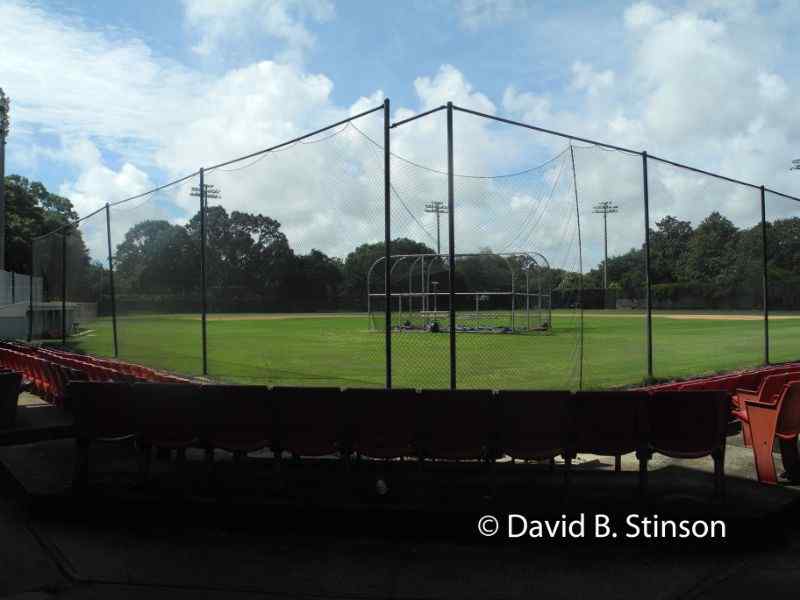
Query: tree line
{"x": 250, "y": 265}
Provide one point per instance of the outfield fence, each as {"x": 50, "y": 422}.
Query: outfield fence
{"x": 482, "y": 253}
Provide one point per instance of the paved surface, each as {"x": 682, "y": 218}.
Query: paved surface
{"x": 127, "y": 542}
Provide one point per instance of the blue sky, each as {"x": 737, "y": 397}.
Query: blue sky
{"x": 111, "y": 98}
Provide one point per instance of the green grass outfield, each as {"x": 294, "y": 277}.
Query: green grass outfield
{"x": 340, "y": 350}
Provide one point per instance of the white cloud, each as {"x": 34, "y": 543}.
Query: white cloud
{"x": 695, "y": 91}
{"x": 642, "y": 14}
{"x": 584, "y": 77}
{"x": 475, "y": 14}
{"x": 217, "y": 22}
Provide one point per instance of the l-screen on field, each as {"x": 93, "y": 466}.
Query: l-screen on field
{"x": 516, "y": 258}
{"x": 339, "y": 349}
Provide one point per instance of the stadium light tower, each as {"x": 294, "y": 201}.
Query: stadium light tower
{"x": 605, "y": 209}
{"x": 211, "y": 192}
{"x": 439, "y": 208}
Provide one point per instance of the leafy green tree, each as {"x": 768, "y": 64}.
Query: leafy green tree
{"x": 31, "y": 211}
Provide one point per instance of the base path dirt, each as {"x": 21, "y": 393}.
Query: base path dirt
{"x": 278, "y": 316}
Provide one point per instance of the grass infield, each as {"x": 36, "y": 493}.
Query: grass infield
{"x": 339, "y": 349}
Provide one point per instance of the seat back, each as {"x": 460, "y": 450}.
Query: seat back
{"x": 10, "y": 383}
{"x": 235, "y": 416}
{"x": 771, "y": 387}
{"x": 454, "y": 424}
{"x": 168, "y": 414}
{"x": 687, "y": 423}
{"x": 532, "y": 424}
{"x": 309, "y": 421}
{"x": 381, "y": 423}
{"x": 789, "y": 411}
{"x": 608, "y": 422}
{"x": 102, "y": 409}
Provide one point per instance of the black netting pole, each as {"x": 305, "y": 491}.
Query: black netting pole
{"x": 387, "y": 233}
{"x": 111, "y": 282}
{"x": 203, "y": 282}
{"x": 451, "y": 252}
{"x": 764, "y": 276}
{"x": 647, "y": 277}
{"x": 64, "y": 287}
{"x": 580, "y": 265}
{"x": 30, "y": 292}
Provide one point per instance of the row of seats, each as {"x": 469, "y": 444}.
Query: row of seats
{"x": 766, "y": 401}
{"x": 430, "y": 424}
{"x": 773, "y": 413}
{"x": 133, "y": 371}
{"x": 44, "y": 377}
{"x": 47, "y": 370}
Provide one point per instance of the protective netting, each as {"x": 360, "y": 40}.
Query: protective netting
{"x": 46, "y": 305}
{"x": 706, "y": 259}
{"x": 549, "y": 279}
{"x": 419, "y": 282}
{"x": 783, "y": 271}
{"x": 614, "y": 293}
{"x": 291, "y": 236}
{"x": 88, "y": 285}
{"x": 156, "y": 258}
{"x": 517, "y": 273}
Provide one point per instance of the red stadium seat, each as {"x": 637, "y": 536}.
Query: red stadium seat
{"x": 608, "y": 423}
{"x": 767, "y": 392}
{"x": 454, "y": 424}
{"x": 533, "y": 424}
{"x": 690, "y": 424}
{"x": 237, "y": 418}
{"x": 767, "y": 421}
{"x": 102, "y": 411}
{"x": 167, "y": 413}
{"x": 309, "y": 421}
{"x": 381, "y": 423}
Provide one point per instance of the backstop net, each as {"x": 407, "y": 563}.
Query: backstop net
{"x": 706, "y": 264}
{"x": 291, "y": 235}
{"x": 157, "y": 282}
{"x": 88, "y": 287}
{"x": 783, "y": 276}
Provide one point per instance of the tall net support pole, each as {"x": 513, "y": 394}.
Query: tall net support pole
{"x": 451, "y": 251}
{"x": 64, "y": 287}
{"x": 203, "y": 279}
{"x": 764, "y": 275}
{"x": 649, "y": 293}
{"x": 387, "y": 198}
{"x": 580, "y": 266}
{"x": 111, "y": 282}
{"x": 30, "y": 293}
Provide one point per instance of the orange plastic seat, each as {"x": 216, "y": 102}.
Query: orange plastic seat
{"x": 767, "y": 421}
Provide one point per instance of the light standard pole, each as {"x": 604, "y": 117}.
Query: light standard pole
{"x": 438, "y": 208}
{"x": 605, "y": 209}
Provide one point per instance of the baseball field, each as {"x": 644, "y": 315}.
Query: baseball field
{"x": 340, "y": 350}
